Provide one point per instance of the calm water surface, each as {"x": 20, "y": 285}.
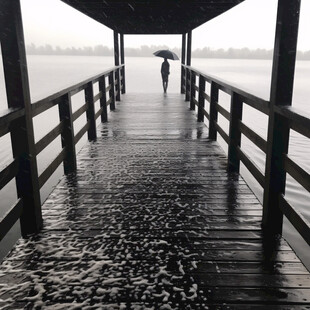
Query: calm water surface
{"x": 49, "y": 74}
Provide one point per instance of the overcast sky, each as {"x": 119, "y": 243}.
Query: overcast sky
{"x": 250, "y": 24}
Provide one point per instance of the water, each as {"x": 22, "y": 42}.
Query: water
{"x": 49, "y": 74}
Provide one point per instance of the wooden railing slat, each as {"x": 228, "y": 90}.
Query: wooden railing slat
{"x": 46, "y": 174}
{"x": 8, "y": 173}
{"x": 79, "y": 112}
{"x": 255, "y": 171}
{"x": 299, "y": 120}
{"x": 8, "y": 117}
{"x": 299, "y": 174}
{"x": 253, "y": 136}
{"x": 223, "y": 111}
{"x": 223, "y": 134}
{"x": 98, "y": 113}
{"x": 296, "y": 218}
{"x": 81, "y": 133}
{"x": 10, "y": 218}
{"x": 98, "y": 96}
{"x": 49, "y": 137}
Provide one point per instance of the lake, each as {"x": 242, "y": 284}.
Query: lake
{"x": 49, "y": 74}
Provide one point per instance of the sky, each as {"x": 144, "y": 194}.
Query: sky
{"x": 250, "y": 24}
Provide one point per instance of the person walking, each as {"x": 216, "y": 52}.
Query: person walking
{"x": 165, "y": 71}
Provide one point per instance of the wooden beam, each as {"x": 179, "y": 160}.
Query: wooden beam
{"x": 122, "y": 63}
{"x": 90, "y": 112}
{"x": 236, "y": 106}
{"x": 183, "y": 63}
{"x": 201, "y": 98}
{"x": 214, "y": 97}
{"x": 67, "y": 135}
{"x": 116, "y": 61}
{"x": 18, "y": 96}
{"x": 278, "y": 127}
{"x": 103, "y": 100}
{"x": 189, "y": 49}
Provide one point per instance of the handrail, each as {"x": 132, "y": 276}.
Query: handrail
{"x": 62, "y": 100}
{"x": 296, "y": 119}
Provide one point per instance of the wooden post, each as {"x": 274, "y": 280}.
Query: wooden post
{"x": 189, "y": 49}
{"x": 201, "y": 99}
{"x": 193, "y": 90}
{"x": 90, "y": 112}
{"x": 236, "y": 106}
{"x": 188, "y": 63}
{"x": 213, "y": 112}
{"x": 183, "y": 63}
{"x": 123, "y": 62}
{"x": 116, "y": 61}
{"x": 67, "y": 135}
{"x": 280, "y": 95}
{"x": 111, "y": 91}
{"x": 18, "y": 96}
{"x": 103, "y": 100}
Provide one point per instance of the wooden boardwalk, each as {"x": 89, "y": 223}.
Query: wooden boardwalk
{"x": 152, "y": 220}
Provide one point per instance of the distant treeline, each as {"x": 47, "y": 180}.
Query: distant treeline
{"x": 147, "y": 51}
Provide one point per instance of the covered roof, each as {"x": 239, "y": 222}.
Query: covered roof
{"x": 152, "y": 16}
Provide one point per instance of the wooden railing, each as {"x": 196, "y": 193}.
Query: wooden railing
{"x": 108, "y": 93}
{"x": 237, "y": 128}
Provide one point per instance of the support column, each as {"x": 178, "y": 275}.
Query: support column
{"x": 280, "y": 95}
{"x": 183, "y": 63}
{"x": 188, "y": 63}
{"x": 116, "y": 62}
{"x": 123, "y": 63}
{"x": 18, "y": 96}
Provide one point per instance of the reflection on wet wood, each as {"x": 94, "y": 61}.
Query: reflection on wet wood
{"x": 152, "y": 220}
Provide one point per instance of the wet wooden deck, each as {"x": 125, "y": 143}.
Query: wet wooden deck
{"x": 152, "y": 220}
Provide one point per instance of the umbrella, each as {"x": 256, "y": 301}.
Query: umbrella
{"x": 166, "y": 54}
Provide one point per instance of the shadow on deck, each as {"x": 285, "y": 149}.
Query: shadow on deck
{"x": 152, "y": 220}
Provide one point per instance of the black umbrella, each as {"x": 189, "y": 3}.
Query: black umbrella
{"x": 166, "y": 54}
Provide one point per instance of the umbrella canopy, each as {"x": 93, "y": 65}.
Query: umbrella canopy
{"x": 166, "y": 54}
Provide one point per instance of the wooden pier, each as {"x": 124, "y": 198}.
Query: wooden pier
{"x": 152, "y": 220}
{"x": 151, "y": 214}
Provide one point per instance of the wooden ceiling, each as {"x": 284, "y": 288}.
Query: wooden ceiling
{"x": 152, "y": 16}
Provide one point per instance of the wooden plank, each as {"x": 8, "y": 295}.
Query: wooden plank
{"x": 46, "y": 174}
{"x": 7, "y": 117}
{"x": 67, "y": 135}
{"x": 223, "y": 111}
{"x": 49, "y": 137}
{"x": 98, "y": 96}
{"x": 253, "y": 136}
{"x": 98, "y": 113}
{"x": 206, "y": 114}
{"x": 281, "y": 94}
{"x": 189, "y": 49}
{"x": 81, "y": 133}
{"x": 299, "y": 120}
{"x": 43, "y": 105}
{"x": 257, "y": 174}
{"x": 296, "y": 218}
{"x": 79, "y": 112}
{"x": 10, "y": 218}
{"x": 207, "y": 97}
{"x": 298, "y": 173}
{"x": 223, "y": 134}
{"x": 187, "y": 84}
{"x": 18, "y": 97}
{"x": 8, "y": 173}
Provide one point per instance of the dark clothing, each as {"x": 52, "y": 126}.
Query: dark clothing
{"x": 165, "y": 73}
{"x": 165, "y": 70}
